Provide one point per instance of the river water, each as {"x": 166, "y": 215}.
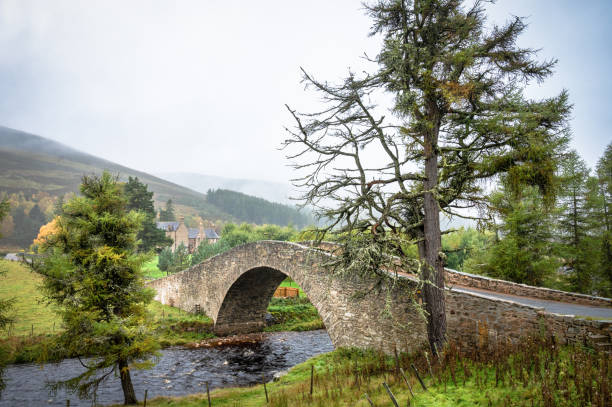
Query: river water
{"x": 179, "y": 371}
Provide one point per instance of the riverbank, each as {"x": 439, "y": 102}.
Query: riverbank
{"x": 531, "y": 373}
{"x": 36, "y": 324}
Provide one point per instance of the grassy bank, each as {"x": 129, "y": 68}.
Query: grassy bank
{"x": 532, "y": 373}
{"x": 293, "y": 314}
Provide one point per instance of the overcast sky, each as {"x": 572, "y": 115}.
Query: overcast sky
{"x": 200, "y": 86}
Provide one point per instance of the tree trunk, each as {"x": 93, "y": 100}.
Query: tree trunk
{"x": 433, "y": 290}
{"x": 126, "y": 383}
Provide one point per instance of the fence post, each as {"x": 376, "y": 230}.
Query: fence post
{"x": 145, "y": 398}
{"x": 263, "y": 379}
{"x": 208, "y": 394}
{"x": 390, "y": 394}
{"x": 418, "y": 377}
{"x": 407, "y": 382}
{"x": 311, "y": 378}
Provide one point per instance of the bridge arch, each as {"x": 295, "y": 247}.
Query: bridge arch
{"x": 235, "y": 287}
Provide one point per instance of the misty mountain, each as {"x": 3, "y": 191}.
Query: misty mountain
{"x": 271, "y": 191}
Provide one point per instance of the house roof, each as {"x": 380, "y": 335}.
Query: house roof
{"x": 193, "y": 233}
{"x": 170, "y": 226}
{"x": 211, "y": 234}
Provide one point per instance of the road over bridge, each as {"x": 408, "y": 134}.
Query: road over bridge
{"x": 235, "y": 287}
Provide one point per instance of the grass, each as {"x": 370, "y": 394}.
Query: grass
{"x": 29, "y": 308}
{"x": 535, "y": 372}
{"x": 294, "y": 314}
{"x": 151, "y": 271}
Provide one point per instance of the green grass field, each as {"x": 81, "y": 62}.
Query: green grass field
{"x": 29, "y": 309}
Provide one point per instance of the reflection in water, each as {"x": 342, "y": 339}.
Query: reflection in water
{"x": 179, "y": 371}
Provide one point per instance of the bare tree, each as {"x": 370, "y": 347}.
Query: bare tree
{"x": 457, "y": 119}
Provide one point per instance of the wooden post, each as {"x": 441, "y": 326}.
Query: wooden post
{"x": 390, "y": 394}
{"x": 311, "y": 378}
{"x": 145, "y": 398}
{"x": 32, "y": 334}
{"x": 263, "y": 379}
{"x": 407, "y": 382}
{"x": 208, "y": 394}
{"x": 429, "y": 365}
{"x": 397, "y": 362}
{"x": 417, "y": 375}
{"x": 368, "y": 398}
{"x": 68, "y": 403}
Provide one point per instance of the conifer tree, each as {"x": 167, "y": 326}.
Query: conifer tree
{"x": 139, "y": 198}
{"x": 167, "y": 214}
{"x": 602, "y": 214}
{"x": 91, "y": 272}
{"x": 573, "y": 221}
{"x": 526, "y": 253}
{"x": 458, "y": 118}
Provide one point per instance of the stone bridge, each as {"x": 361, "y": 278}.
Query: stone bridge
{"x": 235, "y": 288}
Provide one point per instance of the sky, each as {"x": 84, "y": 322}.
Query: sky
{"x": 200, "y": 86}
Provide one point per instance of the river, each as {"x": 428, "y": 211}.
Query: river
{"x": 179, "y": 371}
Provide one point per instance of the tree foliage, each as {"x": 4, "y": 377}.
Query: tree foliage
{"x": 602, "y": 211}
{"x": 458, "y": 118}
{"x": 234, "y": 235}
{"x": 573, "y": 223}
{"x": 527, "y": 252}
{"x": 139, "y": 198}
{"x": 172, "y": 261}
{"x": 167, "y": 214}
{"x": 92, "y": 273}
{"x": 247, "y": 208}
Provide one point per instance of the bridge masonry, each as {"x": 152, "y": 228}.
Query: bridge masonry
{"x": 234, "y": 289}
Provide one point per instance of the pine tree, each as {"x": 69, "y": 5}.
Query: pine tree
{"x": 526, "y": 253}
{"x": 458, "y": 118}
{"x": 139, "y": 198}
{"x": 573, "y": 221}
{"x": 167, "y": 214}
{"x": 91, "y": 272}
{"x": 602, "y": 212}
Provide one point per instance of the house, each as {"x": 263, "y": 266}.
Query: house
{"x": 190, "y": 237}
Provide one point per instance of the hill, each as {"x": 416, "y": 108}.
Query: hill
{"x": 33, "y": 164}
{"x": 257, "y": 210}
{"x": 35, "y": 169}
{"x": 271, "y": 191}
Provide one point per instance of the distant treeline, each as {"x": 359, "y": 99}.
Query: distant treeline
{"x": 26, "y": 214}
{"x": 246, "y": 208}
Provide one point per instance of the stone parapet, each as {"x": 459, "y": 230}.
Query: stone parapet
{"x": 454, "y": 277}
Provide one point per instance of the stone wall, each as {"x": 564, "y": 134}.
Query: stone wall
{"x": 454, "y": 277}
{"x": 475, "y": 319}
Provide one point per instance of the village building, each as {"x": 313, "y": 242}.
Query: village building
{"x": 190, "y": 237}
